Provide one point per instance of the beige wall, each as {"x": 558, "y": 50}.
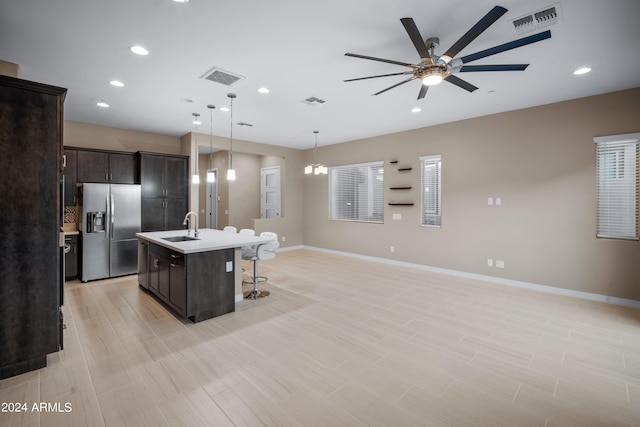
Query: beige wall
{"x": 242, "y": 199}
{"x": 10, "y": 69}
{"x": 539, "y": 161}
{"x": 244, "y": 192}
{"x": 86, "y": 135}
{"x": 217, "y": 160}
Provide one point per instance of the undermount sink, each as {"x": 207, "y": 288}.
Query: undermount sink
{"x": 180, "y": 238}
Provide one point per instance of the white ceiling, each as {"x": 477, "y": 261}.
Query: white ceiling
{"x": 296, "y": 49}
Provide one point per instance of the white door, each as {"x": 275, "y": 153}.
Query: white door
{"x": 212, "y": 201}
{"x": 270, "y": 192}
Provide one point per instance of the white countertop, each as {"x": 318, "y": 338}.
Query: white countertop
{"x": 208, "y": 240}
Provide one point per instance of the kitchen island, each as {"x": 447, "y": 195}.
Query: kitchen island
{"x": 199, "y": 277}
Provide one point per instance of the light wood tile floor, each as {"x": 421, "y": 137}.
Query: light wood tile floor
{"x": 340, "y": 342}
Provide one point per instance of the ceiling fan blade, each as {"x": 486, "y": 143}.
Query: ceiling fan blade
{"x": 460, "y": 83}
{"x": 506, "y": 67}
{"x": 423, "y": 91}
{"x": 372, "y": 58}
{"x": 416, "y": 38}
{"x": 395, "y": 85}
{"x": 507, "y": 46}
{"x": 491, "y": 17}
{"x": 381, "y": 75}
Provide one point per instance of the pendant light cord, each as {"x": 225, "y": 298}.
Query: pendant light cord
{"x": 315, "y": 151}
{"x": 195, "y": 122}
{"x": 211, "y": 107}
{"x": 231, "y": 134}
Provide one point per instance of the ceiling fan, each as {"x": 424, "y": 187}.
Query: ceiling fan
{"x": 432, "y": 68}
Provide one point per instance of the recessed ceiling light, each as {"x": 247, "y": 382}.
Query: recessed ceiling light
{"x": 583, "y": 70}
{"x": 416, "y": 110}
{"x": 139, "y": 50}
{"x": 102, "y": 104}
{"x": 264, "y": 90}
{"x": 116, "y": 83}
{"x": 224, "y": 109}
{"x": 181, "y": 1}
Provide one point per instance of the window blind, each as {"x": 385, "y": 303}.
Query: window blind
{"x": 617, "y": 166}
{"x": 431, "y": 190}
{"x": 356, "y": 192}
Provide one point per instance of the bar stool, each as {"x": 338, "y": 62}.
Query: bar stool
{"x": 263, "y": 251}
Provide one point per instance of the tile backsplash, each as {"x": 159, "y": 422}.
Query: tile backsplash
{"x": 70, "y": 214}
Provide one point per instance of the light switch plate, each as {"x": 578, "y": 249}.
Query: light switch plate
{"x": 229, "y": 266}
{"x": 498, "y": 201}
{"x": 490, "y": 201}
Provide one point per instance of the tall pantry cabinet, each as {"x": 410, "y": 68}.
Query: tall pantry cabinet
{"x": 31, "y": 118}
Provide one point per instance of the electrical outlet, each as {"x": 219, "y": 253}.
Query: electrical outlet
{"x": 489, "y": 262}
{"x": 396, "y": 216}
{"x": 393, "y": 249}
{"x": 284, "y": 239}
{"x": 499, "y": 263}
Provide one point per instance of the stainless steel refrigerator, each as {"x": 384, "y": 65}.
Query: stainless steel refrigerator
{"x": 110, "y": 221}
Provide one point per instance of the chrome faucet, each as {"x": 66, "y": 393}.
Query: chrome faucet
{"x": 187, "y": 221}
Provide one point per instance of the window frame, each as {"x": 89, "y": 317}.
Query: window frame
{"x": 375, "y": 198}
{"x": 617, "y": 161}
{"x": 436, "y": 218}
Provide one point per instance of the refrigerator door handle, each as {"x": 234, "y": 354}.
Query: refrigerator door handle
{"x": 113, "y": 214}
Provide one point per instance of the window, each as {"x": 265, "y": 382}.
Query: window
{"x": 356, "y": 192}
{"x": 431, "y": 190}
{"x": 617, "y": 185}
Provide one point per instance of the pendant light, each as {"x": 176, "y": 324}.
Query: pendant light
{"x": 211, "y": 177}
{"x": 231, "y": 172}
{"x": 315, "y": 167}
{"x": 195, "y": 178}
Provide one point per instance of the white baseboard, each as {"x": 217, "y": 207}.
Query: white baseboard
{"x": 508, "y": 282}
{"x": 290, "y": 248}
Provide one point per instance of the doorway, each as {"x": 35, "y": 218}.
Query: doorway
{"x": 270, "y": 192}
{"x": 212, "y": 200}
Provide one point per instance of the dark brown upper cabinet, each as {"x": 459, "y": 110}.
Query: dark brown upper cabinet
{"x": 107, "y": 167}
{"x": 70, "y": 173}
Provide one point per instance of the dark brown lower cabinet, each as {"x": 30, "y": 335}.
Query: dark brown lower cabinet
{"x": 197, "y": 286}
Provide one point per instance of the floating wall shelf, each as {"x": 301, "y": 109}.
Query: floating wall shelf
{"x": 400, "y": 187}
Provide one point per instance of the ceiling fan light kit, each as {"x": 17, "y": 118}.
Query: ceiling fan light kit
{"x": 433, "y": 68}
{"x": 433, "y": 76}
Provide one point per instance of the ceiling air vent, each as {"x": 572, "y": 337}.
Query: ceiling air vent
{"x": 221, "y": 76}
{"x": 537, "y": 20}
{"x": 312, "y": 101}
